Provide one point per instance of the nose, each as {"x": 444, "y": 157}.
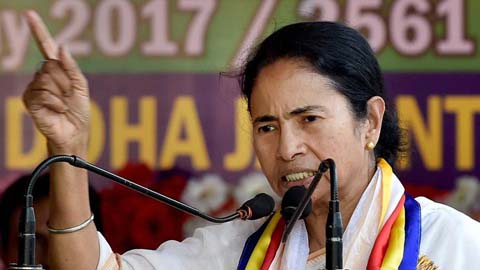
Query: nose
{"x": 291, "y": 144}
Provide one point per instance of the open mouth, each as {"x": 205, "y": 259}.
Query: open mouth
{"x": 294, "y": 177}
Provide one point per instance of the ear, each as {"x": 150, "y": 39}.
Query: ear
{"x": 375, "y": 111}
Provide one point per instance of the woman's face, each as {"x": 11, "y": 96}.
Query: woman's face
{"x": 298, "y": 120}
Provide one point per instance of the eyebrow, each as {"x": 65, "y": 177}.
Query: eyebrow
{"x": 296, "y": 111}
{"x": 265, "y": 118}
{"x": 305, "y": 109}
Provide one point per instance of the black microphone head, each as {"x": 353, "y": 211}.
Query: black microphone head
{"x": 259, "y": 206}
{"x": 292, "y": 199}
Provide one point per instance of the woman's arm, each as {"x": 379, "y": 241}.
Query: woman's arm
{"x": 58, "y": 101}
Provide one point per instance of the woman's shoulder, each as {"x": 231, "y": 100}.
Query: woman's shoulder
{"x": 444, "y": 227}
{"x": 449, "y": 238}
{"x": 437, "y": 214}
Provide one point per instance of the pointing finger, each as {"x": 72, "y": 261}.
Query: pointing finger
{"x": 42, "y": 37}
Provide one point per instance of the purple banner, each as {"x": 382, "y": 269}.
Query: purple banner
{"x": 191, "y": 121}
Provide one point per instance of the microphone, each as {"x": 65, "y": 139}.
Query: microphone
{"x": 291, "y": 200}
{"x": 260, "y": 206}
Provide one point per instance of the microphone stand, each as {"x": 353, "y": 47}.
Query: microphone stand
{"x": 334, "y": 227}
{"x": 26, "y": 247}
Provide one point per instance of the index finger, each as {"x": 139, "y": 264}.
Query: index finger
{"x": 42, "y": 37}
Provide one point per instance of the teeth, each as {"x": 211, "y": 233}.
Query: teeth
{"x": 298, "y": 176}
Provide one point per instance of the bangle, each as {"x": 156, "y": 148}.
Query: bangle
{"x": 71, "y": 229}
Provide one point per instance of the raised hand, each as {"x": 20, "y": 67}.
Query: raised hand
{"x": 58, "y": 98}
{"x": 58, "y": 101}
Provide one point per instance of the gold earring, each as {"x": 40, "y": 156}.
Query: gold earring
{"x": 370, "y": 145}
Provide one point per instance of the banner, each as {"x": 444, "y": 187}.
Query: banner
{"x": 163, "y": 93}
{"x": 159, "y": 94}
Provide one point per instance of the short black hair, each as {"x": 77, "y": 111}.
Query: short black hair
{"x": 343, "y": 56}
{"x": 12, "y": 198}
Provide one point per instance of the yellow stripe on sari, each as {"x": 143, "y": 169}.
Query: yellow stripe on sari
{"x": 394, "y": 254}
{"x": 258, "y": 254}
{"x": 386, "y": 188}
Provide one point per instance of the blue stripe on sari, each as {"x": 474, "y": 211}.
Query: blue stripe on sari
{"x": 413, "y": 231}
{"x": 250, "y": 245}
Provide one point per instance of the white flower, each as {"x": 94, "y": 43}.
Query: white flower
{"x": 207, "y": 193}
{"x": 464, "y": 195}
{"x": 251, "y": 185}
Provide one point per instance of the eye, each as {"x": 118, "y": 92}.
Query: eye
{"x": 310, "y": 118}
{"x": 265, "y": 129}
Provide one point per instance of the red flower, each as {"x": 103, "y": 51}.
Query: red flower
{"x": 153, "y": 224}
{"x": 133, "y": 220}
{"x": 140, "y": 173}
{"x": 172, "y": 186}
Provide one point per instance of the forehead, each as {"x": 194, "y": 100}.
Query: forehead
{"x": 288, "y": 84}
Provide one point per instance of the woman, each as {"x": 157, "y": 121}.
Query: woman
{"x": 314, "y": 91}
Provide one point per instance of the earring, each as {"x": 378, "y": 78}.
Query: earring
{"x": 370, "y": 145}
